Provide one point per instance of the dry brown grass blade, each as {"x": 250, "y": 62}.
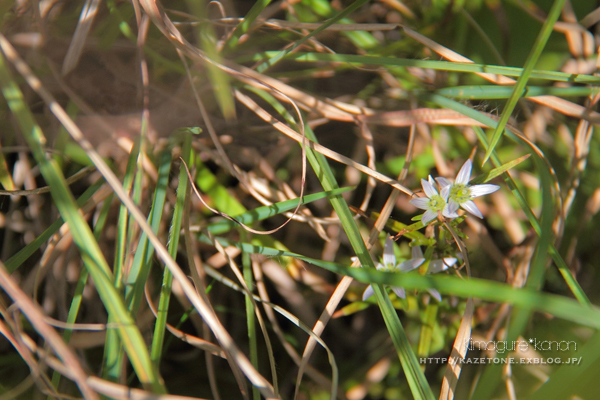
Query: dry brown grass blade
{"x": 86, "y": 19}
{"x": 198, "y": 277}
{"x": 6, "y": 329}
{"x": 286, "y": 193}
{"x": 457, "y": 356}
{"x": 232, "y": 168}
{"x": 368, "y": 137}
{"x": 46, "y": 189}
{"x": 332, "y": 303}
{"x": 562, "y": 106}
{"x": 200, "y": 305}
{"x": 265, "y": 116}
{"x": 36, "y": 318}
{"x": 421, "y": 115}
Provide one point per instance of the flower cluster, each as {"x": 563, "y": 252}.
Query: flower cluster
{"x": 451, "y": 195}
{"x": 443, "y": 198}
{"x": 389, "y": 265}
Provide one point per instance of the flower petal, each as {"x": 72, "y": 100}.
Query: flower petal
{"x": 399, "y": 292}
{"x": 450, "y": 209}
{"x": 450, "y": 261}
{"x": 436, "y": 266}
{"x": 428, "y": 217}
{"x": 445, "y": 193}
{"x": 389, "y": 259}
{"x": 428, "y": 188}
{"x": 470, "y": 206}
{"x": 409, "y": 265}
{"x": 443, "y": 182}
{"x": 465, "y": 173}
{"x": 480, "y": 190}
{"x": 416, "y": 252}
{"x": 420, "y": 202}
{"x": 435, "y": 294}
{"x": 368, "y": 293}
{"x": 432, "y": 182}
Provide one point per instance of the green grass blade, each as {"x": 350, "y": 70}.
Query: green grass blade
{"x": 520, "y": 317}
{"x": 250, "y": 318}
{"x": 261, "y": 213}
{"x": 246, "y": 23}
{"x": 534, "y": 55}
{"x": 488, "y": 176}
{"x": 140, "y": 268}
{"x": 449, "y": 66}
{"x": 113, "y": 350}
{"x": 81, "y": 282}
{"x": 220, "y": 81}
{"x": 493, "y": 92}
{"x": 209, "y": 184}
{"x": 429, "y": 321}
{"x": 174, "y": 233}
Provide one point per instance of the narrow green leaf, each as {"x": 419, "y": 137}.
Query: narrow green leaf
{"x": 518, "y": 90}
{"x": 261, "y": 213}
{"x": 246, "y": 22}
{"x": 140, "y": 268}
{"x": 430, "y": 64}
{"x": 483, "y": 178}
{"x": 174, "y": 233}
{"x": 491, "y": 92}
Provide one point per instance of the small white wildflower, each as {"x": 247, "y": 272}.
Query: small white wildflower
{"x": 434, "y": 267}
{"x": 389, "y": 265}
{"x": 435, "y": 202}
{"x": 460, "y": 193}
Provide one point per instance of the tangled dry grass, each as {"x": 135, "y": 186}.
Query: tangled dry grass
{"x": 121, "y": 281}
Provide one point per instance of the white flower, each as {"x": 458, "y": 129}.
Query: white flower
{"x": 434, "y": 267}
{"x": 435, "y": 202}
{"x": 389, "y": 265}
{"x": 460, "y": 193}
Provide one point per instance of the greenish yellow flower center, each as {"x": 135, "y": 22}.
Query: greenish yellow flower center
{"x": 436, "y": 203}
{"x": 460, "y": 193}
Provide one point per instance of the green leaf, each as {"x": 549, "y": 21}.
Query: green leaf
{"x": 483, "y": 178}
{"x": 518, "y": 89}
{"x": 261, "y": 213}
